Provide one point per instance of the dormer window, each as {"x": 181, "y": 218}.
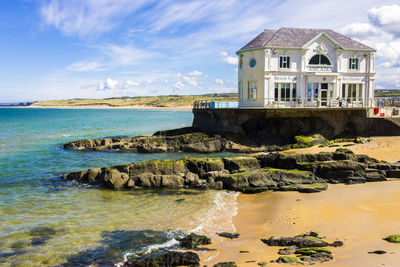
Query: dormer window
{"x": 284, "y": 62}
{"x": 320, "y": 60}
{"x": 353, "y": 63}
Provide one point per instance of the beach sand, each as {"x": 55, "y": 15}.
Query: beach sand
{"x": 359, "y": 215}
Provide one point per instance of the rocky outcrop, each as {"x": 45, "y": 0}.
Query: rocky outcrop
{"x": 185, "y": 139}
{"x": 306, "y": 249}
{"x": 192, "y": 241}
{"x": 306, "y": 173}
{"x": 164, "y": 257}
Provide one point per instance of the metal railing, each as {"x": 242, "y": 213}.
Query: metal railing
{"x": 298, "y": 103}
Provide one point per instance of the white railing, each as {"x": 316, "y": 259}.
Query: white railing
{"x": 356, "y": 102}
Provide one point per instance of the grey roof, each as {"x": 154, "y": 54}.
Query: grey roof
{"x": 297, "y": 38}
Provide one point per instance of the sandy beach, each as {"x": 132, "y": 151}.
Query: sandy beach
{"x": 177, "y": 108}
{"x": 359, "y": 215}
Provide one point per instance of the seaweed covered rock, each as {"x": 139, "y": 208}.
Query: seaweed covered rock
{"x": 228, "y": 235}
{"x": 186, "y": 139}
{"x": 306, "y": 173}
{"x": 162, "y": 257}
{"x": 311, "y": 140}
{"x": 225, "y": 264}
{"x": 300, "y": 241}
{"x": 193, "y": 241}
{"x": 393, "y": 238}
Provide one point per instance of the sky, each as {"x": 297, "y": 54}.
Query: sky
{"x": 61, "y": 49}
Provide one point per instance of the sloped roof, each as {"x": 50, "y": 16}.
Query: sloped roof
{"x": 297, "y": 38}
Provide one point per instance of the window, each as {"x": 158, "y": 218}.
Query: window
{"x": 287, "y": 92}
{"x": 252, "y": 63}
{"x": 350, "y": 91}
{"x": 353, "y": 63}
{"x": 309, "y": 92}
{"x": 315, "y": 91}
{"x": 319, "y": 60}
{"x": 284, "y": 62}
{"x": 252, "y": 93}
{"x": 240, "y": 85}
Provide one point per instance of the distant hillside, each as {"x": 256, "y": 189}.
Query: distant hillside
{"x": 151, "y": 101}
{"x": 387, "y": 92}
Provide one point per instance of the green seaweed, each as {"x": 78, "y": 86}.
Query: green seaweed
{"x": 393, "y": 238}
{"x": 312, "y": 250}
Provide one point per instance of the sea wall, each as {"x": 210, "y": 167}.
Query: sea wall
{"x": 280, "y": 126}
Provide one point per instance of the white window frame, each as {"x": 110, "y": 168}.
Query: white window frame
{"x": 240, "y": 88}
{"x": 278, "y": 89}
{"x": 252, "y": 90}
{"x": 354, "y": 63}
{"x": 284, "y": 62}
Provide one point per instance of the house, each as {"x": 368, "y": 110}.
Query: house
{"x": 293, "y": 67}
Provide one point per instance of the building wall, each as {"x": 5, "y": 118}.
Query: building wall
{"x": 267, "y": 71}
{"x": 280, "y": 126}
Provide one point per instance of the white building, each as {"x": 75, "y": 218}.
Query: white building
{"x": 305, "y": 68}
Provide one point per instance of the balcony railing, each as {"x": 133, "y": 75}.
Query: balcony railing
{"x": 298, "y": 103}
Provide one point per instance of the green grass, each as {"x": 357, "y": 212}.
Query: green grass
{"x": 151, "y": 101}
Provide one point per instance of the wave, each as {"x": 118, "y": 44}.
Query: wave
{"x": 217, "y": 219}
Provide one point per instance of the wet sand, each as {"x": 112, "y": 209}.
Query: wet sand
{"x": 359, "y": 215}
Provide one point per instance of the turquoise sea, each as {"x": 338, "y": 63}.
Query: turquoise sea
{"x": 46, "y": 221}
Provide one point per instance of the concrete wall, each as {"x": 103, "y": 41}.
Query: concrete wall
{"x": 279, "y": 126}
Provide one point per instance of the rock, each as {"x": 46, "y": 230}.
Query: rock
{"x": 287, "y": 251}
{"x": 393, "y": 174}
{"x": 93, "y": 175}
{"x": 316, "y": 258}
{"x": 377, "y": 252}
{"x": 239, "y": 164}
{"x": 244, "y": 251}
{"x": 192, "y": 241}
{"x": 288, "y": 259}
{"x": 312, "y": 188}
{"x": 228, "y": 235}
{"x": 203, "y": 165}
{"x": 310, "y": 140}
{"x": 114, "y": 179}
{"x": 393, "y": 238}
{"x": 163, "y": 257}
{"x": 337, "y": 244}
{"x": 171, "y": 181}
{"x": 300, "y": 241}
{"x": 225, "y": 264}
{"x": 312, "y": 250}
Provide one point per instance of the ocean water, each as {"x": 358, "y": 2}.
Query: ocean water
{"x": 46, "y": 221}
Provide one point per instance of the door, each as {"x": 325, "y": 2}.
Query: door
{"x": 324, "y": 94}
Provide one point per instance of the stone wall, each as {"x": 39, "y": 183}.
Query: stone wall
{"x": 279, "y": 126}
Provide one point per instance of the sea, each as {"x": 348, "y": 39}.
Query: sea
{"x": 47, "y": 221}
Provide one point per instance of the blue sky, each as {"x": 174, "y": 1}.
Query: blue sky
{"x": 58, "y": 49}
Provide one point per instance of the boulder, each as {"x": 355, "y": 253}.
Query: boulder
{"x": 112, "y": 178}
{"x": 229, "y": 235}
{"x": 300, "y": 241}
{"x": 163, "y": 257}
{"x": 239, "y": 164}
{"x": 225, "y": 264}
{"x": 193, "y": 241}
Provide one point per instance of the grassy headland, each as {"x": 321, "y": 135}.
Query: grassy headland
{"x": 146, "y": 101}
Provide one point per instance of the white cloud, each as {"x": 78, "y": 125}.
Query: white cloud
{"x": 231, "y": 60}
{"x": 195, "y": 73}
{"x": 108, "y": 84}
{"x": 219, "y": 81}
{"x": 87, "y": 17}
{"x": 387, "y": 18}
{"x": 190, "y": 80}
{"x": 85, "y": 66}
{"x": 126, "y": 54}
{"x": 179, "y": 85}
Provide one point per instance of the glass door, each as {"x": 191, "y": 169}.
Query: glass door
{"x": 324, "y": 94}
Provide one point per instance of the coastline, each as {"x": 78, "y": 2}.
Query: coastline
{"x": 360, "y": 215}
{"x": 175, "y": 108}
